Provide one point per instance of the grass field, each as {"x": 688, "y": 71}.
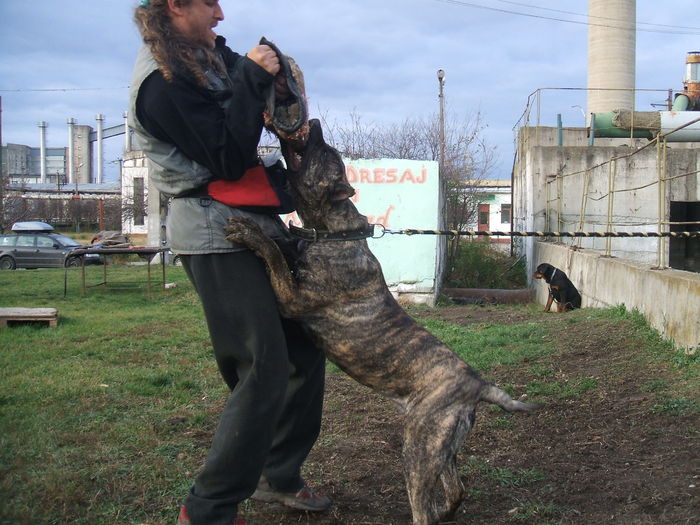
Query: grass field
{"x": 106, "y": 418}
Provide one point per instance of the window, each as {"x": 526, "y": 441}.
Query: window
{"x": 484, "y": 215}
{"x": 139, "y": 201}
{"x": 44, "y": 242}
{"x": 7, "y": 240}
{"x": 25, "y": 240}
{"x": 505, "y": 213}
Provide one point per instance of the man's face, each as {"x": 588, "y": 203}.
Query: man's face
{"x": 196, "y": 20}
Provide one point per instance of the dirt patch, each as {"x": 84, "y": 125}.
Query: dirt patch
{"x": 603, "y": 455}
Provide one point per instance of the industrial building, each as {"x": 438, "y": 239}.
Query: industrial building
{"x": 627, "y": 171}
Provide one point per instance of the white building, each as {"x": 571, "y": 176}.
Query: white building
{"x": 494, "y": 209}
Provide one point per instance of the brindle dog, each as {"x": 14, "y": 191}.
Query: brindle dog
{"x": 339, "y": 294}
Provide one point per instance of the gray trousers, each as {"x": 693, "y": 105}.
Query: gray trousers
{"x": 273, "y": 415}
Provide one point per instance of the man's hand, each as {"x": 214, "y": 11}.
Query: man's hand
{"x": 266, "y": 58}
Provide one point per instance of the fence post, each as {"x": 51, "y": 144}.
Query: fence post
{"x": 612, "y": 169}
{"x": 584, "y": 204}
{"x": 660, "y": 171}
{"x": 560, "y": 191}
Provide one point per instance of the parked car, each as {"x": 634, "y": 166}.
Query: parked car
{"x": 171, "y": 258}
{"x": 36, "y": 245}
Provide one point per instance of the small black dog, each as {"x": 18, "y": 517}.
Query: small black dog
{"x": 561, "y": 289}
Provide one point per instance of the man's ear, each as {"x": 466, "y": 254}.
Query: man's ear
{"x": 175, "y": 6}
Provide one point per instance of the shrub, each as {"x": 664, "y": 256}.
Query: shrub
{"x": 480, "y": 265}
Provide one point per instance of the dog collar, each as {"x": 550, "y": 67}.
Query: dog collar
{"x": 313, "y": 235}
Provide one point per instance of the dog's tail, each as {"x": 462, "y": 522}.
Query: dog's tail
{"x": 492, "y": 394}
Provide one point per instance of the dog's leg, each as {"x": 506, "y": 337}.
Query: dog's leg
{"x": 454, "y": 489}
{"x": 548, "y": 306}
{"x": 432, "y": 436}
{"x": 291, "y": 298}
{"x": 421, "y": 479}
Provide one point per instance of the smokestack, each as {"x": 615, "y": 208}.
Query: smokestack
{"x": 42, "y": 151}
{"x": 611, "y": 55}
{"x": 100, "y": 125}
{"x": 70, "y": 174}
{"x": 691, "y": 82}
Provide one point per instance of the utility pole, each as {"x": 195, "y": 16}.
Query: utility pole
{"x": 442, "y": 184}
{"x": 441, "y": 97}
{"x": 2, "y": 179}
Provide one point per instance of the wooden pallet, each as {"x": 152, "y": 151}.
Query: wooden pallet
{"x": 28, "y": 315}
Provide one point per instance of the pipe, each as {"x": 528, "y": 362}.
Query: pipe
{"x": 42, "y": 151}
{"x": 681, "y": 103}
{"x": 100, "y": 126}
{"x": 560, "y": 131}
{"x": 671, "y": 120}
{"x": 603, "y": 125}
{"x": 648, "y": 124}
{"x": 483, "y": 296}
{"x": 127, "y": 135}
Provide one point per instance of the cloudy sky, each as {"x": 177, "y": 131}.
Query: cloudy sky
{"x": 63, "y": 59}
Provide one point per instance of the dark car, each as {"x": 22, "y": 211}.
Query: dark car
{"x": 36, "y": 245}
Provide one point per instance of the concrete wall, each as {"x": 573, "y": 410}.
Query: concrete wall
{"x": 668, "y": 299}
{"x": 550, "y": 180}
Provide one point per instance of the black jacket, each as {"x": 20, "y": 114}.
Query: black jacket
{"x": 219, "y": 129}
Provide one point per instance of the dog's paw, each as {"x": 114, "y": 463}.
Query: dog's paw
{"x": 239, "y": 229}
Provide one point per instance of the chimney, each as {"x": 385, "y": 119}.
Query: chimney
{"x": 42, "y": 151}
{"x": 611, "y": 55}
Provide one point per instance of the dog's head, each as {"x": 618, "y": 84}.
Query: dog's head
{"x": 319, "y": 184}
{"x": 544, "y": 271}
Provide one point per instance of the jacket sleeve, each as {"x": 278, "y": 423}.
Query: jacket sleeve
{"x": 189, "y": 117}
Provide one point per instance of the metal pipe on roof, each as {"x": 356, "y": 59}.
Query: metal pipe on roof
{"x": 608, "y": 125}
{"x": 681, "y": 103}
{"x": 648, "y": 124}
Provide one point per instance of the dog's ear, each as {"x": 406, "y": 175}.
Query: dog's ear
{"x": 341, "y": 191}
{"x": 315, "y": 130}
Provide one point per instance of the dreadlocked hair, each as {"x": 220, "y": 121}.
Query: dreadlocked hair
{"x": 172, "y": 51}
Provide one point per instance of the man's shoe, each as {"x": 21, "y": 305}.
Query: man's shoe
{"x": 303, "y": 499}
{"x": 183, "y": 519}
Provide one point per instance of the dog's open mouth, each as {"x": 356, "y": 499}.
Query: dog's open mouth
{"x": 292, "y": 157}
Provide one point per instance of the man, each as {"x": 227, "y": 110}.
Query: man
{"x": 197, "y": 109}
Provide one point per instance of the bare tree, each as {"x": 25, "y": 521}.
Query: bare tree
{"x": 134, "y": 209}
{"x": 468, "y": 158}
{"x": 15, "y": 208}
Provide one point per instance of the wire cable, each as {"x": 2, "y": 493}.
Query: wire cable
{"x": 598, "y": 17}
{"x": 22, "y": 90}
{"x": 542, "y": 17}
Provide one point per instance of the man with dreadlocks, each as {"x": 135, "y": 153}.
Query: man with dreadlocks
{"x": 197, "y": 110}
